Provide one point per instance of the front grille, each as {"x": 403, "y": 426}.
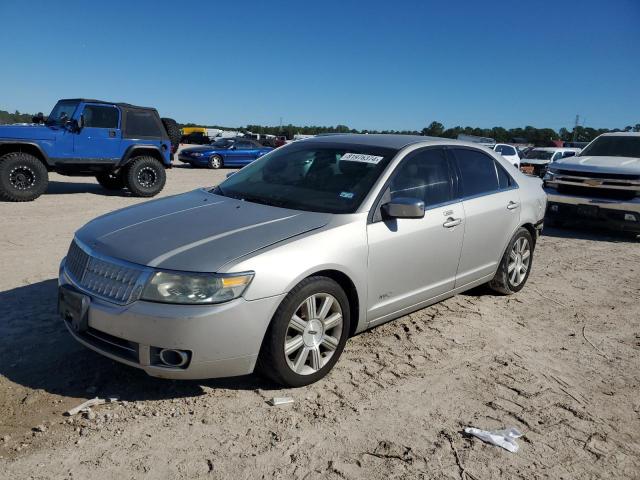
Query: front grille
{"x": 609, "y": 193}
{"x": 613, "y": 176}
{"x": 103, "y": 277}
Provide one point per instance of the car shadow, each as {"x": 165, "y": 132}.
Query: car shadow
{"x": 39, "y": 353}
{"x": 583, "y": 232}
{"x": 64, "y": 188}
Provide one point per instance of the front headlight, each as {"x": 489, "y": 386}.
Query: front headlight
{"x": 196, "y": 154}
{"x": 195, "y": 288}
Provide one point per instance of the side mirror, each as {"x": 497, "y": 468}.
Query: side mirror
{"x": 403, "y": 207}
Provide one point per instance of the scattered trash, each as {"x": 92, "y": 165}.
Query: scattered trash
{"x": 88, "y": 404}
{"x": 280, "y": 401}
{"x": 501, "y": 438}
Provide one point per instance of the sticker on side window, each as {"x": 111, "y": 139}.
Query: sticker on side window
{"x": 348, "y": 195}
{"x": 361, "y": 157}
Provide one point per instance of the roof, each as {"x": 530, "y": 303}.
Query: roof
{"x": 91, "y": 100}
{"x": 622, "y": 134}
{"x": 380, "y": 140}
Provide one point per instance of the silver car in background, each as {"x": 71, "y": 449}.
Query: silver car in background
{"x": 277, "y": 266}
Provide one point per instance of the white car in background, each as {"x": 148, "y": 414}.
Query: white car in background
{"x": 509, "y": 152}
{"x": 536, "y": 161}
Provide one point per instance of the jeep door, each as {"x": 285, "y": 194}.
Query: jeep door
{"x": 412, "y": 260}
{"x": 491, "y": 202}
{"x": 100, "y": 136}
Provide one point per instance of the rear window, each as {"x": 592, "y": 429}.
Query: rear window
{"x": 478, "y": 172}
{"x": 141, "y": 123}
{"x": 506, "y": 150}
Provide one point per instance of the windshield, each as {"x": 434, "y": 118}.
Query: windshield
{"x": 222, "y": 143}
{"x": 539, "y": 154}
{"x": 614, "y": 146}
{"x": 62, "y": 112}
{"x": 318, "y": 177}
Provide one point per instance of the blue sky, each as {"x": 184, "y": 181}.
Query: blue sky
{"x": 376, "y": 65}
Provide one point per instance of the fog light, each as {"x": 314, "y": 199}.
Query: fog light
{"x": 630, "y": 217}
{"x": 553, "y": 208}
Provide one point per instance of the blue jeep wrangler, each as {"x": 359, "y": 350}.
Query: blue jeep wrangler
{"x": 122, "y": 145}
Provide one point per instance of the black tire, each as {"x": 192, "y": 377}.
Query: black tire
{"x": 504, "y": 281}
{"x": 272, "y": 361}
{"x": 111, "y": 181}
{"x": 23, "y": 177}
{"x": 216, "y": 162}
{"x": 145, "y": 177}
{"x": 173, "y": 131}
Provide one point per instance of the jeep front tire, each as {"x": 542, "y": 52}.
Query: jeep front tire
{"x": 145, "y": 176}
{"x": 23, "y": 177}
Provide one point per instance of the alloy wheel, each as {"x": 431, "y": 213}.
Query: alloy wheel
{"x": 519, "y": 261}
{"x": 22, "y": 177}
{"x": 313, "y": 333}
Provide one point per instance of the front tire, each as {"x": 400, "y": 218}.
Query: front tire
{"x": 23, "y": 177}
{"x": 111, "y": 181}
{"x": 215, "y": 162}
{"x": 145, "y": 177}
{"x": 307, "y": 333}
{"x": 515, "y": 265}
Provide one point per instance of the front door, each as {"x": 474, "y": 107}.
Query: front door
{"x": 241, "y": 154}
{"x": 491, "y": 203}
{"x": 100, "y": 135}
{"x": 414, "y": 260}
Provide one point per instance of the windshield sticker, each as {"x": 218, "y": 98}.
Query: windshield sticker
{"x": 361, "y": 157}
{"x": 348, "y": 195}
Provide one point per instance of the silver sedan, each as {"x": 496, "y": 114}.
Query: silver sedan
{"x": 275, "y": 268}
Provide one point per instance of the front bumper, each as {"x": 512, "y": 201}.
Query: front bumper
{"x": 223, "y": 340}
{"x": 619, "y": 214}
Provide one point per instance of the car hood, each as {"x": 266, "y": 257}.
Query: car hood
{"x": 625, "y": 165}
{"x": 27, "y": 132}
{"x": 196, "y": 231}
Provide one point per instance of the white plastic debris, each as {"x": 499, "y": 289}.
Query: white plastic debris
{"x": 280, "y": 401}
{"x": 501, "y": 438}
{"x": 85, "y": 406}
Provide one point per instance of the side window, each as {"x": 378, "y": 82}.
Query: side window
{"x": 568, "y": 154}
{"x": 98, "y": 116}
{"x": 504, "y": 179}
{"x": 140, "y": 124}
{"x": 478, "y": 172}
{"x": 243, "y": 145}
{"x": 424, "y": 175}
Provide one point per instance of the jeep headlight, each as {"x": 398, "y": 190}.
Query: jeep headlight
{"x": 195, "y": 288}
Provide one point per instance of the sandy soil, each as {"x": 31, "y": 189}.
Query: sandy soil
{"x": 560, "y": 361}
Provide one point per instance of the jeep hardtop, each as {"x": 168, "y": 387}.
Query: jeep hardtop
{"x": 122, "y": 145}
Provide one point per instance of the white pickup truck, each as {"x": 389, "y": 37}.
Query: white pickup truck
{"x": 600, "y": 185}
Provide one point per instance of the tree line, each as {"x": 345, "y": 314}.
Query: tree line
{"x": 528, "y": 134}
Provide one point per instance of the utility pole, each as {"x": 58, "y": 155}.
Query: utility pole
{"x": 281, "y": 124}
{"x": 575, "y": 127}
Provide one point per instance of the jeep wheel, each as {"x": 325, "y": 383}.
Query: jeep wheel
{"x": 515, "y": 266}
{"x": 145, "y": 177}
{"x": 215, "y": 162}
{"x": 111, "y": 181}
{"x": 173, "y": 131}
{"x": 22, "y": 177}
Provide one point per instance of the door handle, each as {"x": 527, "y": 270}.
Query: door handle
{"x": 512, "y": 205}
{"x": 452, "y": 222}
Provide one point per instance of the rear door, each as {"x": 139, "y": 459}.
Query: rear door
{"x": 415, "y": 259}
{"x": 491, "y": 203}
{"x": 100, "y": 136}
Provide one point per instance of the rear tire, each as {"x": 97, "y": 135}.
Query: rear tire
{"x": 111, "y": 181}
{"x": 314, "y": 341}
{"x": 145, "y": 177}
{"x": 515, "y": 265}
{"x": 173, "y": 131}
{"x": 23, "y": 177}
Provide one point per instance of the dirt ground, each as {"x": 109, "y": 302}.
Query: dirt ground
{"x": 560, "y": 361}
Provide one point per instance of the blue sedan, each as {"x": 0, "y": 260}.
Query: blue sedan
{"x": 226, "y": 152}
